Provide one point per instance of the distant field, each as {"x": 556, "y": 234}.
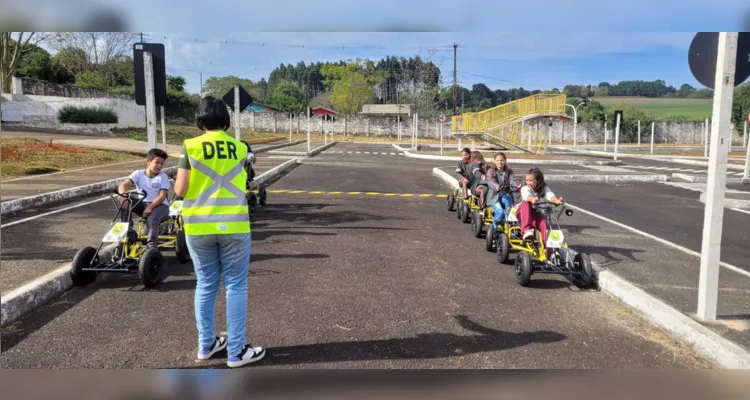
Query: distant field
{"x": 695, "y": 109}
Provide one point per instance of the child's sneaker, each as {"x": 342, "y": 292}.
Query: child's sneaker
{"x": 219, "y": 344}
{"x": 247, "y": 355}
{"x": 528, "y": 235}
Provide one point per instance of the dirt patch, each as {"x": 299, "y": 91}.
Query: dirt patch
{"x": 24, "y": 157}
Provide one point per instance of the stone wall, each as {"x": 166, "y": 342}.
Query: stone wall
{"x": 42, "y": 88}
{"x": 353, "y": 125}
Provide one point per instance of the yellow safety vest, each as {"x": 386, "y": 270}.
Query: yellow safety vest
{"x": 215, "y": 201}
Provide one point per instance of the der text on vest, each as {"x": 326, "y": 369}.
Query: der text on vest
{"x": 219, "y": 149}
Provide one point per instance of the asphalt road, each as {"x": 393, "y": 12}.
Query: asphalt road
{"x": 33, "y": 248}
{"x": 666, "y": 167}
{"x": 353, "y": 281}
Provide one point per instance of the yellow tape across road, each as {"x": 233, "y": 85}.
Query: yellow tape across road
{"x": 319, "y": 192}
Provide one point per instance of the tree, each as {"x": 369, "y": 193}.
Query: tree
{"x": 351, "y": 89}
{"x": 741, "y": 104}
{"x": 100, "y": 48}
{"x": 11, "y": 52}
{"x": 69, "y": 62}
{"x": 218, "y": 86}
{"x": 176, "y": 83}
{"x": 288, "y": 97}
{"x": 92, "y": 80}
{"x": 35, "y": 63}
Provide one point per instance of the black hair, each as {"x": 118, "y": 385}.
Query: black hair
{"x": 540, "y": 184}
{"x": 501, "y": 154}
{"x": 466, "y": 150}
{"x": 153, "y": 153}
{"x": 212, "y": 114}
{"x": 249, "y": 150}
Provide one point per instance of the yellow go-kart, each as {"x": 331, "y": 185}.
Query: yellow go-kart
{"x": 129, "y": 252}
{"x": 549, "y": 255}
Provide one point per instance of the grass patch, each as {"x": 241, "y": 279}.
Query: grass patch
{"x": 176, "y": 134}
{"x": 692, "y": 109}
{"x": 25, "y": 157}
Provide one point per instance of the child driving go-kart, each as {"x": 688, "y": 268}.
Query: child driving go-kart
{"x": 155, "y": 183}
{"x": 462, "y": 169}
{"x": 477, "y": 178}
{"x": 504, "y": 183}
{"x": 534, "y": 190}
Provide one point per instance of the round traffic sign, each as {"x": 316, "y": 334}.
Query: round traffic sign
{"x": 441, "y": 118}
{"x": 702, "y": 58}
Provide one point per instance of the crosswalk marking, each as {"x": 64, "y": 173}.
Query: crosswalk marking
{"x": 381, "y": 153}
{"x": 322, "y": 192}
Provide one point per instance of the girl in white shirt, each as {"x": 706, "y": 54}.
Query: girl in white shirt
{"x": 530, "y": 194}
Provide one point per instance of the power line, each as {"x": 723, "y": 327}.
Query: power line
{"x": 505, "y": 80}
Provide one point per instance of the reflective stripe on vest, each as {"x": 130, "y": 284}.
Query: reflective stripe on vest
{"x": 202, "y": 212}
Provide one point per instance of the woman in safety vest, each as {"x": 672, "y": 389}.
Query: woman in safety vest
{"x": 211, "y": 178}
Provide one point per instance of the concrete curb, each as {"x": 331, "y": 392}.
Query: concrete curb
{"x": 266, "y": 149}
{"x": 25, "y": 203}
{"x": 20, "y": 301}
{"x": 40, "y": 291}
{"x": 313, "y": 152}
{"x": 704, "y": 179}
{"x": 581, "y": 178}
{"x": 730, "y": 203}
{"x": 674, "y": 159}
{"x": 705, "y": 342}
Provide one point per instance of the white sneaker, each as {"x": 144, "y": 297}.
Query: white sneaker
{"x": 219, "y": 344}
{"x": 247, "y": 355}
{"x": 528, "y": 235}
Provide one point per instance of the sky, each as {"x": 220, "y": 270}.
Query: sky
{"x": 537, "y": 45}
{"x": 540, "y": 60}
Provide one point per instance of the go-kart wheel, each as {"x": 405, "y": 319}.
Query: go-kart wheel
{"x": 503, "y": 248}
{"x": 83, "y": 259}
{"x": 180, "y": 247}
{"x": 489, "y": 243}
{"x": 251, "y": 202}
{"x": 523, "y": 268}
{"x": 583, "y": 261}
{"x": 263, "y": 195}
{"x": 451, "y": 201}
{"x": 476, "y": 224}
{"x": 150, "y": 267}
{"x": 465, "y": 213}
{"x": 459, "y": 208}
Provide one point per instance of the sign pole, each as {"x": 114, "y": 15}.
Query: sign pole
{"x": 652, "y": 138}
{"x": 441, "y": 139}
{"x": 617, "y": 135}
{"x": 163, "y": 129}
{"x": 705, "y": 139}
{"x": 237, "y": 112}
{"x": 308, "y": 129}
{"x": 744, "y": 132}
{"x": 639, "y": 133}
{"x": 290, "y": 128}
{"x": 708, "y": 286}
{"x": 148, "y": 67}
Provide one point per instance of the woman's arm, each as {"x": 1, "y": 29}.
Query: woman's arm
{"x": 182, "y": 181}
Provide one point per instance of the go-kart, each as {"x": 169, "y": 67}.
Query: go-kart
{"x": 130, "y": 252}
{"x": 257, "y": 195}
{"x": 533, "y": 257}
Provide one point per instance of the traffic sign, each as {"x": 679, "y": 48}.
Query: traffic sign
{"x": 245, "y": 98}
{"x": 441, "y": 118}
{"x": 702, "y": 58}
{"x": 160, "y": 73}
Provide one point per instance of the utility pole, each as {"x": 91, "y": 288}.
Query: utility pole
{"x": 455, "y": 46}
{"x": 141, "y": 37}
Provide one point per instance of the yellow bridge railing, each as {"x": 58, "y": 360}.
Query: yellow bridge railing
{"x": 482, "y": 121}
{"x": 521, "y": 136}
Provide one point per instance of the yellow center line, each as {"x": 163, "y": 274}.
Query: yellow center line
{"x": 298, "y": 191}
{"x": 390, "y": 194}
{"x": 407, "y": 195}
{"x": 316, "y": 192}
{"x": 277, "y": 191}
{"x": 425, "y": 195}
{"x": 354, "y": 193}
{"x": 441, "y": 196}
{"x": 372, "y": 193}
{"x": 335, "y": 192}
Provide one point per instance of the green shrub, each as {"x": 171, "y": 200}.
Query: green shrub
{"x": 87, "y": 115}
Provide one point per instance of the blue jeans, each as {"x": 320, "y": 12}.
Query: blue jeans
{"x": 502, "y": 207}
{"x": 214, "y": 255}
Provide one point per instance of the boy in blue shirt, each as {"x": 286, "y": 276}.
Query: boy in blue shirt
{"x": 155, "y": 207}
